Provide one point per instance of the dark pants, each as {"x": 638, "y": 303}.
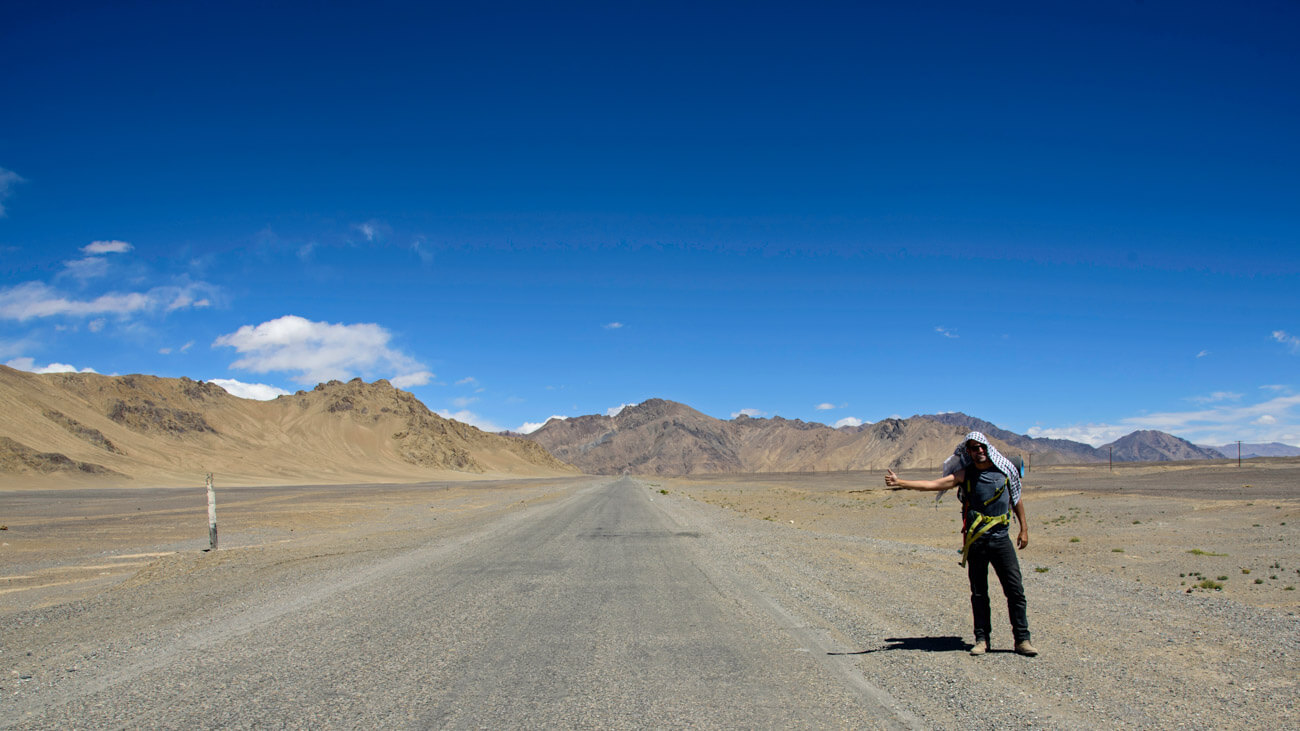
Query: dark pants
{"x": 998, "y": 551}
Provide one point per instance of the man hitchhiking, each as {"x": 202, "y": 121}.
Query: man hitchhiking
{"x": 988, "y": 486}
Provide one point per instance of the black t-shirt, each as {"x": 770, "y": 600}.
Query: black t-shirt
{"x": 987, "y": 492}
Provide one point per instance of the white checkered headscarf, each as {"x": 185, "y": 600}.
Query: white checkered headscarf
{"x": 960, "y": 460}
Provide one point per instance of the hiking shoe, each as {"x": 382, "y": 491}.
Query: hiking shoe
{"x": 981, "y": 647}
{"x": 1024, "y": 648}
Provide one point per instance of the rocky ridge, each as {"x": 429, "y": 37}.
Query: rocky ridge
{"x": 667, "y": 438}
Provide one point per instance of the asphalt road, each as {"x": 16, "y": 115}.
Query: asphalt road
{"x": 597, "y": 610}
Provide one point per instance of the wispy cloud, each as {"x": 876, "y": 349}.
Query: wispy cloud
{"x": 252, "y": 391}
{"x": 467, "y": 381}
{"x": 1216, "y": 397}
{"x": 8, "y": 179}
{"x": 37, "y": 300}
{"x": 824, "y": 407}
{"x": 613, "y": 326}
{"x": 616, "y": 410}
{"x": 1274, "y": 420}
{"x": 1291, "y": 341}
{"x": 94, "y": 264}
{"x": 469, "y": 417}
{"x": 96, "y": 248}
{"x": 422, "y": 250}
{"x": 321, "y": 351}
{"x": 1202, "y": 354}
{"x": 752, "y": 413}
{"x": 850, "y": 421}
{"x": 946, "y": 332}
{"x": 528, "y": 427}
{"x": 373, "y": 230}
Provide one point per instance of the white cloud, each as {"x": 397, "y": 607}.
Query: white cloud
{"x": 1094, "y": 434}
{"x": 253, "y": 391}
{"x": 469, "y": 417}
{"x": 1274, "y": 420}
{"x": 1291, "y": 341}
{"x": 106, "y": 247}
{"x": 374, "y": 230}
{"x": 824, "y": 407}
{"x": 946, "y": 332}
{"x": 8, "y": 179}
{"x": 321, "y": 351}
{"x": 94, "y": 265}
{"x": 849, "y": 421}
{"x": 30, "y": 300}
{"x": 407, "y": 380}
{"x": 752, "y": 413}
{"x": 616, "y": 410}
{"x": 420, "y": 247}
{"x": 91, "y": 267}
{"x": 29, "y": 365}
{"x": 528, "y": 427}
{"x": 463, "y": 401}
{"x": 613, "y": 326}
{"x": 467, "y": 381}
{"x": 1216, "y": 397}
{"x": 1202, "y": 354}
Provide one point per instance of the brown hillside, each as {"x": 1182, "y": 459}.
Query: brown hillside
{"x": 77, "y": 427}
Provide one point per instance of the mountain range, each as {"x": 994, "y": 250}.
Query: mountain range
{"x": 146, "y": 429}
{"x": 668, "y": 438}
{"x": 1247, "y": 451}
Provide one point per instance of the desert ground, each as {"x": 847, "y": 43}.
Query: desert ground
{"x": 1167, "y": 525}
{"x": 1161, "y": 595}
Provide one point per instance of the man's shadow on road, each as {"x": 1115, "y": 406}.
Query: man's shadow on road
{"x": 923, "y": 644}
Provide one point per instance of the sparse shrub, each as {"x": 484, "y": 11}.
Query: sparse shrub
{"x": 1116, "y": 550}
{"x": 1199, "y": 552}
{"x": 1207, "y": 584}
{"x": 1259, "y": 581}
{"x": 1245, "y": 571}
{"x": 1042, "y": 569}
{"x": 1223, "y": 578}
{"x": 1074, "y": 540}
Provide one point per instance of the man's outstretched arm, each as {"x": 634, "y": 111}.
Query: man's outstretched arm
{"x": 947, "y": 482}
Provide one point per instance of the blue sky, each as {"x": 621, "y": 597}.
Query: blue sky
{"x": 1072, "y": 220}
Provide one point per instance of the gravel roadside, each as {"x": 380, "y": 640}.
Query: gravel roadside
{"x": 885, "y": 603}
{"x": 1115, "y": 651}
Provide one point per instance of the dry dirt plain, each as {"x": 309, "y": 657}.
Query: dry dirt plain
{"x": 1172, "y": 526}
{"x": 1162, "y": 596}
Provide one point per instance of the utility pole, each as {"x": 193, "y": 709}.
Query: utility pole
{"x": 1112, "y": 458}
{"x": 1238, "y": 453}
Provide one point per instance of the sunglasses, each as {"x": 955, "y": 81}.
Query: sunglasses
{"x": 975, "y": 447}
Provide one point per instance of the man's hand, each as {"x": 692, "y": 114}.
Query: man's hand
{"x": 1022, "y": 540}
{"x": 891, "y": 479}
